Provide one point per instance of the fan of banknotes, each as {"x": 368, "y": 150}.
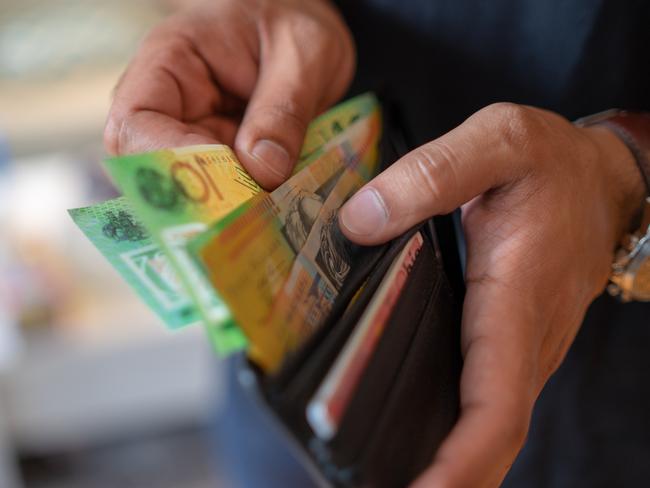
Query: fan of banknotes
{"x": 201, "y": 242}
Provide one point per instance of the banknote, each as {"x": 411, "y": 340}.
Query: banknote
{"x": 249, "y": 255}
{"x": 330, "y": 124}
{"x": 112, "y": 227}
{"x": 116, "y": 232}
{"x": 316, "y": 275}
{"x": 161, "y": 277}
{"x": 176, "y": 194}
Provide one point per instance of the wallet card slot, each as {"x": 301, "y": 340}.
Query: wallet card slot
{"x": 421, "y": 405}
{"x": 290, "y": 391}
{"x": 424, "y": 403}
{"x": 365, "y": 261}
{"x": 364, "y": 408}
{"x": 370, "y": 265}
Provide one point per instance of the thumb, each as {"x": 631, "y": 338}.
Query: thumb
{"x": 282, "y": 105}
{"x": 485, "y": 152}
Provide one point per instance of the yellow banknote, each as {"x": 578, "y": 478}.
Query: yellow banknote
{"x": 249, "y": 255}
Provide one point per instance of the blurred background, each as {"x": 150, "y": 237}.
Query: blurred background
{"x": 94, "y": 392}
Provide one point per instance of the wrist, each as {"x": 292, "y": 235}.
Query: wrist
{"x": 624, "y": 180}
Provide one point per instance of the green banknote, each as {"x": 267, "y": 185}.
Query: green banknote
{"x": 176, "y": 194}
{"x": 128, "y": 246}
{"x": 116, "y": 232}
{"x": 172, "y": 196}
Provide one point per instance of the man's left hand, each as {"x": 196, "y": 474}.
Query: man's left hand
{"x": 544, "y": 204}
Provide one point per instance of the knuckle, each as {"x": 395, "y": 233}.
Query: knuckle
{"x": 291, "y": 111}
{"x": 518, "y": 127}
{"x": 343, "y": 63}
{"x": 177, "y": 48}
{"x": 435, "y": 171}
{"x": 286, "y": 115}
{"x": 325, "y": 56}
{"x": 313, "y": 32}
{"x": 315, "y": 43}
{"x": 170, "y": 40}
{"x": 309, "y": 27}
{"x": 111, "y": 136}
{"x": 115, "y": 134}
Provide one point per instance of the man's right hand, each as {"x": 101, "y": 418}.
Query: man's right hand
{"x": 248, "y": 73}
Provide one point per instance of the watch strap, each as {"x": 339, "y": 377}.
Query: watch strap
{"x": 633, "y": 128}
{"x": 629, "y": 278}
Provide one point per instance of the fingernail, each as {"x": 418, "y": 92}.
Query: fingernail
{"x": 365, "y": 213}
{"x": 273, "y": 156}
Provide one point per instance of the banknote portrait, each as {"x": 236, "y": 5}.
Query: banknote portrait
{"x": 334, "y": 254}
{"x": 303, "y": 212}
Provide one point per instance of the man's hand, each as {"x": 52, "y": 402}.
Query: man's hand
{"x": 252, "y": 73}
{"x": 544, "y": 203}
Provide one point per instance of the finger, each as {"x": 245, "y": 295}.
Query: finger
{"x": 292, "y": 88}
{"x": 167, "y": 98}
{"x": 145, "y": 131}
{"x": 498, "y": 389}
{"x": 486, "y": 151}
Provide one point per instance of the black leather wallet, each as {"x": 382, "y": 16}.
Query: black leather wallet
{"x": 407, "y": 398}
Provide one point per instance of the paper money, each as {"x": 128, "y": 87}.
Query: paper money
{"x": 157, "y": 265}
{"x": 330, "y": 124}
{"x": 317, "y": 273}
{"x": 116, "y": 232}
{"x": 176, "y": 194}
{"x": 249, "y": 255}
{"x": 128, "y": 246}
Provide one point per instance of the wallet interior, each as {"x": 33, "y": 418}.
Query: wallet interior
{"x": 407, "y": 398}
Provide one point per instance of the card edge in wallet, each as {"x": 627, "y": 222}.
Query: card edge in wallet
{"x": 356, "y": 423}
{"x": 290, "y": 400}
{"x": 371, "y": 467}
{"x": 327, "y": 406}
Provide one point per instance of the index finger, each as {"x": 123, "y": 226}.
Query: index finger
{"x": 168, "y": 97}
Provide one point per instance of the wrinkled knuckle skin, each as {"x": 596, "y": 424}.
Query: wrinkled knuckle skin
{"x": 319, "y": 39}
{"x": 284, "y": 118}
{"x": 291, "y": 112}
{"x": 518, "y": 126}
{"x": 115, "y": 135}
{"x": 435, "y": 172}
{"x": 176, "y": 48}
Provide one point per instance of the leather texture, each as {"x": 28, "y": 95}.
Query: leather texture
{"x": 407, "y": 399}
